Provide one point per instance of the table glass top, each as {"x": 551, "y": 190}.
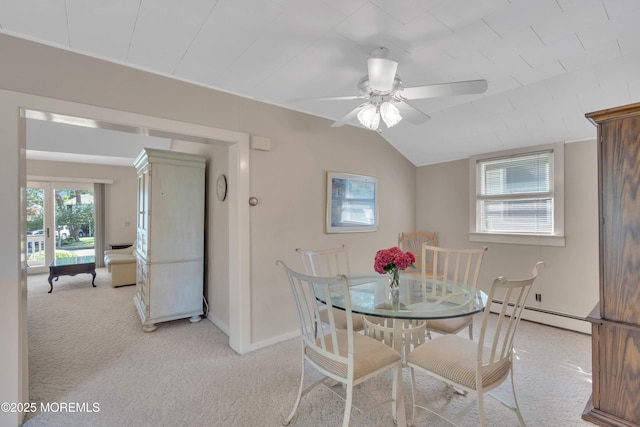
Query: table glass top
{"x": 89, "y": 259}
{"x": 370, "y": 295}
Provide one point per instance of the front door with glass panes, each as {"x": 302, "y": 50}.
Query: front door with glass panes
{"x": 59, "y": 222}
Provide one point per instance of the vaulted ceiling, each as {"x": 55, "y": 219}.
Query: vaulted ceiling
{"x": 547, "y": 62}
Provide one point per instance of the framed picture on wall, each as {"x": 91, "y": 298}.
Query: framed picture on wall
{"x": 352, "y": 203}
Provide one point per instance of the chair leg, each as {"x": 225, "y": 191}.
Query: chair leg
{"x": 348, "y": 404}
{"x": 297, "y": 402}
{"x": 395, "y": 389}
{"x": 413, "y": 395}
{"x": 515, "y": 400}
{"x": 515, "y": 407}
{"x": 471, "y": 330}
{"x": 483, "y": 419}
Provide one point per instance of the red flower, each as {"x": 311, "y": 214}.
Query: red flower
{"x": 389, "y": 259}
{"x": 404, "y": 260}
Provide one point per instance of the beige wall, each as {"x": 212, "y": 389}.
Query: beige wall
{"x": 569, "y": 281}
{"x": 289, "y": 180}
{"x": 120, "y": 197}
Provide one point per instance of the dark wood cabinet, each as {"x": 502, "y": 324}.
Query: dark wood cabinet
{"x": 616, "y": 319}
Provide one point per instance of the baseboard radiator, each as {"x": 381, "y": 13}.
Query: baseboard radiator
{"x": 551, "y": 318}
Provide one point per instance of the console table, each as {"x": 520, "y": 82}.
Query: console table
{"x": 71, "y": 267}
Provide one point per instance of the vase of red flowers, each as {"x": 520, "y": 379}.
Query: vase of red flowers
{"x": 391, "y": 261}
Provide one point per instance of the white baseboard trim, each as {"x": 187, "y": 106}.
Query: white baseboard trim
{"x": 275, "y": 340}
{"x": 219, "y": 323}
{"x": 553, "y": 318}
{"x": 533, "y": 314}
{"x": 257, "y": 345}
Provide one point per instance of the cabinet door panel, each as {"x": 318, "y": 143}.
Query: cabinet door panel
{"x": 619, "y": 357}
{"x": 176, "y": 289}
{"x": 177, "y": 214}
{"x": 620, "y": 239}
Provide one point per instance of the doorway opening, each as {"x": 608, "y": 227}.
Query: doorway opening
{"x": 60, "y": 222}
{"x": 236, "y": 146}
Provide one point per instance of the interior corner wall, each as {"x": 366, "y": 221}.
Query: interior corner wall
{"x": 568, "y": 283}
{"x": 120, "y": 197}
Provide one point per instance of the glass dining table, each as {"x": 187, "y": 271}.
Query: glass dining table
{"x": 416, "y": 298}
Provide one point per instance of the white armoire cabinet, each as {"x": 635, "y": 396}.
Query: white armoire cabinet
{"x": 170, "y": 240}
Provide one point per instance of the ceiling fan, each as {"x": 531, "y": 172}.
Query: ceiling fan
{"x": 386, "y": 97}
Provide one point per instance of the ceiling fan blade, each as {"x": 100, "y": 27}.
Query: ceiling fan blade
{"x": 382, "y": 73}
{"x": 411, "y": 113}
{"x": 444, "y": 89}
{"x": 350, "y": 116}
{"x": 328, "y": 98}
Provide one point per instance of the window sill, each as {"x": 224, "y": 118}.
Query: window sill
{"x": 518, "y": 239}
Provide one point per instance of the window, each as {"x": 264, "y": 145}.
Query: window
{"x": 517, "y": 196}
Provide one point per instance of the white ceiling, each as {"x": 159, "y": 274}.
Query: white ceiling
{"x": 64, "y": 142}
{"x": 548, "y": 62}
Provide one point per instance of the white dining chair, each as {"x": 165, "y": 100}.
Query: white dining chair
{"x": 326, "y": 263}
{"x": 339, "y": 354}
{"x": 460, "y": 267}
{"x": 402, "y": 334}
{"x": 477, "y": 367}
{"x": 413, "y": 242}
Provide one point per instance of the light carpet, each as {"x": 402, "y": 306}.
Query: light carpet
{"x": 86, "y": 347}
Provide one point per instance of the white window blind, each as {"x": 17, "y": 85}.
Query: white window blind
{"x": 515, "y": 194}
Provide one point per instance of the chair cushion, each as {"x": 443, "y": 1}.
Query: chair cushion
{"x": 454, "y": 358}
{"x": 369, "y": 355}
{"x": 119, "y": 259}
{"x": 449, "y": 326}
{"x": 340, "y": 317}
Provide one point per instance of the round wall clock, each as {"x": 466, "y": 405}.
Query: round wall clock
{"x": 221, "y": 187}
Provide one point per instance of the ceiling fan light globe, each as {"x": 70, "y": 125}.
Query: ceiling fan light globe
{"x": 390, "y": 114}
{"x": 369, "y": 117}
{"x": 382, "y": 73}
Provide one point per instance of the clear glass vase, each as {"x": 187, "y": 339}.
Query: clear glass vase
{"x": 394, "y": 291}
